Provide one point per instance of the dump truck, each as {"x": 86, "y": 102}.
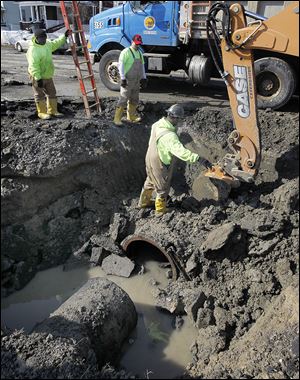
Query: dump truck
{"x": 175, "y": 38}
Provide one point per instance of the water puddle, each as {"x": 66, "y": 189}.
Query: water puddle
{"x": 155, "y": 349}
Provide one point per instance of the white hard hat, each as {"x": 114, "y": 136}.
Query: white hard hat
{"x": 176, "y": 111}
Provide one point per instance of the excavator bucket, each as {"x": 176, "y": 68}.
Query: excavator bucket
{"x": 218, "y": 173}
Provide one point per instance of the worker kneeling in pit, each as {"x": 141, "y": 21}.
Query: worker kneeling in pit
{"x": 133, "y": 76}
{"x": 164, "y": 146}
{"x": 41, "y": 70}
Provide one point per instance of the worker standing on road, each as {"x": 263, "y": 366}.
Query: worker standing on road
{"x": 164, "y": 144}
{"x": 41, "y": 70}
{"x": 133, "y": 76}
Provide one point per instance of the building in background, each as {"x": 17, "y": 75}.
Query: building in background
{"x": 10, "y": 16}
{"x": 16, "y": 15}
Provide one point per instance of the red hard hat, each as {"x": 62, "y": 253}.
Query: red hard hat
{"x": 137, "y": 39}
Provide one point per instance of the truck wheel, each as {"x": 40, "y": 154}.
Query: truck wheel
{"x": 275, "y": 82}
{"x": 109, "y": 71}
{"x": 200, "y": 69}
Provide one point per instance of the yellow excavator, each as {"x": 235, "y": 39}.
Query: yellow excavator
{"x": 232, "y": 41}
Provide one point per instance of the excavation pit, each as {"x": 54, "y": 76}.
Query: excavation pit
{"x": 65, "y": 181}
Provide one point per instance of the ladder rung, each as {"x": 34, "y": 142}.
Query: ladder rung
{"x": 95, "y": 104}
{"x": 88, "y": 92}
{"x": 77, "y": 31}
{"x": 87, "y": 77}
{"x": 80, "y": 63}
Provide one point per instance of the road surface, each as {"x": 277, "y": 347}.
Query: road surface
{"x": 164, "y": 89}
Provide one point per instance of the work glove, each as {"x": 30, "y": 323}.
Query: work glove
{"x": 205, "y": 163}
{"x": 144, "y": 83}
{"x": 40, "y": 83}
{"x": 67, "y": 33}
{"x": 124, "y": 83}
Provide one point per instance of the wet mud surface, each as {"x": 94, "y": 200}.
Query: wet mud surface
{"x": 73, "y": 184}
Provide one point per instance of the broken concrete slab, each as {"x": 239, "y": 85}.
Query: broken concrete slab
{"x": 118, "y": 266}
{"x": 209, "y": 188}
{"x": 118, "y": 229}
{"x": 98, "y": 255}
{"x": 218, "y": 237}
{"x": 105, "y": 242}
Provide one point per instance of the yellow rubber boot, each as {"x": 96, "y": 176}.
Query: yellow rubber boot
{"x": 52, "y": 107}
{"x": 160, "y": 206}
{"x": 118, "y": 116}
{"x": 42, "y": 110}
{"x": 131, "y": 113}
{"x": 145, "y": 199}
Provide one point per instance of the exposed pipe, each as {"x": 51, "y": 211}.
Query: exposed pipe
{"x": 134, "y": 238}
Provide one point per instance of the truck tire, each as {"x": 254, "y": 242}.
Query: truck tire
{"x": 109, "y": 71}
{"x": 199, "y": 70}
{"x": 275, "y": 82}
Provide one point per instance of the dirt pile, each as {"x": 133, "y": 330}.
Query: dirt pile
{"x": 64, "y": 181}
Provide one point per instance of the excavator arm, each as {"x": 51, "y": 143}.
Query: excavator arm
{"x": 279, "y": 33}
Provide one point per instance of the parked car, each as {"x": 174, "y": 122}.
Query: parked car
{"x": 22, "y": 42}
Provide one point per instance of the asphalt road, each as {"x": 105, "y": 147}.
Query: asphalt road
{"x": 165, "y": 89}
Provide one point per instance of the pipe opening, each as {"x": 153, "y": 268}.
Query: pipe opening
{"x": 137, "y": 245}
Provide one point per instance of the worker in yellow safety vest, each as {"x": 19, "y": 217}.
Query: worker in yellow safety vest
{"x": 41, "y": 70}
{"x": 133, "y": 76}
{"x": 164, "y": 146}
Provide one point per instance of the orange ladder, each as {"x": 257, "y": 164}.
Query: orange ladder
{"x": 87, "y": 61}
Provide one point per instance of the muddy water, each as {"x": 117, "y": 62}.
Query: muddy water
{"x": 155, "y": 349}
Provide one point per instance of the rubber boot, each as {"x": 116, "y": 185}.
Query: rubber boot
{"x": 131, "y": 113}
{"x": 52, "y": 107}
{"x": 118, "y": 116}
{"x": 42, "y": 109}
{"x": 145, "y": 199}
{"x": 160, "y": 206}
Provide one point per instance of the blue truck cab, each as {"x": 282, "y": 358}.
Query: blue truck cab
{"x": 112, "y": 30}
{"x": 156, "y": 21}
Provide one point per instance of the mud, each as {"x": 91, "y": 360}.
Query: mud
{"x": 64, "y": 181}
